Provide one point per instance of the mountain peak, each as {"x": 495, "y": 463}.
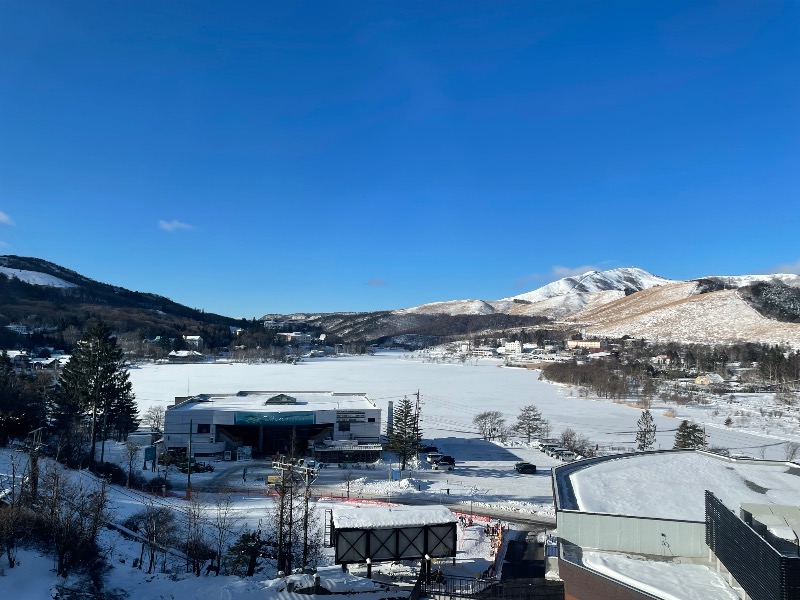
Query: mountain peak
{"x": 621, "y": 279}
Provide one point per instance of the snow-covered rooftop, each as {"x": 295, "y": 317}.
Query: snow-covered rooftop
{"x": 372, "y": 517}
{"x": 248, "y": 400}
{"x": 671, "y": 484}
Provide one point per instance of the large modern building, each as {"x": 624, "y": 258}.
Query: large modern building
{"x": 330, "y": 426}
{"x": 678, "y": 524}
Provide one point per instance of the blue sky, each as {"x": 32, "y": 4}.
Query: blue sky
{"x": 259, "y": 157}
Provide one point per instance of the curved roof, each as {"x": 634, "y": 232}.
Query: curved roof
{"x": 671, "y": 484}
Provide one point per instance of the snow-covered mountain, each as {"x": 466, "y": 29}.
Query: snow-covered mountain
{"x": 709, "y": 310}
{"x": 623, "y": 279}
{"x": 554, "y": 300}
{"x": 36, "y": 278}
{"x": 633, "y": 302}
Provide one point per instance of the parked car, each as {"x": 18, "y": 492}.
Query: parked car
{"x": 525, "y": 468}
{"x": 434, "y": 457}
{"x": 445, "y": 463}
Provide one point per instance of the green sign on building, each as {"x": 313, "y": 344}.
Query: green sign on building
{"x": 274, "y": 418}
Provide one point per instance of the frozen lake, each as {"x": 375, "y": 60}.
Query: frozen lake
{"x": 451, "y": 396}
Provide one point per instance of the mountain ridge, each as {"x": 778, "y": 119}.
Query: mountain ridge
{"x": 613, "y": 303}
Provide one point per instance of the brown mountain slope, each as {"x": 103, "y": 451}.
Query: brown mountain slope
{"x": 676, "y": 312}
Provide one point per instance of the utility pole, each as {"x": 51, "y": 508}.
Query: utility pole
{"x": 189, "y": 465}
{"x": 416, "y": 427}
{"x": 307, "y": 496}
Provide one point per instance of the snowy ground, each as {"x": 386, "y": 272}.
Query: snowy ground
{"x": 34, "y": 578}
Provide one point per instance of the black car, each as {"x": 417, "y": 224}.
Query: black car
{"x": 525, "y": 468}
{"x": 446, "y": 463}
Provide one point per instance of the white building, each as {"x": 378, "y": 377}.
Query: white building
{"x": 194, "y": 341}
{"x": 343, "y": 427}
{"x": 296, "y": 337}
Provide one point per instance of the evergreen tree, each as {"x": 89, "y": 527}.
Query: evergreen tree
{"x": 96, "y": 381}
{"x": 529, "y": 422}
{"x": 244, "y": 553}
{"x": 646, "y": 436}
{"x": 22, "y": 406}
{"x": 689, "y": 435}
{"x": 405, "y": 436}
{"x": 123, "y": 414}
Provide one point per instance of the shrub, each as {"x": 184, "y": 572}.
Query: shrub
{"x": 113, "y": 472}
{"x": 155, "y": 485}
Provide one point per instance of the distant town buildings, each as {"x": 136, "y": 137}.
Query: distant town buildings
{"x": 20, "y": 329}
{"x": 586, "y": 344}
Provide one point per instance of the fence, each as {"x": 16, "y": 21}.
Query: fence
{"x": 445, "y": 587}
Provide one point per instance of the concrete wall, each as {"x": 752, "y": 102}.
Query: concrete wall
{"x": 633, "y": 534}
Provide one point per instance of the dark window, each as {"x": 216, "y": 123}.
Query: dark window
{"x": 203, "y": 428}
{"x": 344, "y": 426}
{"x": 371, "y": 420}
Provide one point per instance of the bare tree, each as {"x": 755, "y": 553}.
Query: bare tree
{"x": 489, "y": 423}
{"x": 131, "y": 452}
{"x": 224, "y": 524}
{"x": 13, "y": 516}
{"x": 154, "y": 418}
{"x": 157, "y": 526}
{"x": 574, "y": 442}
{"x": 73, "y": 515}
{"x": 196, "y": 547}
{"x": 347, "y": 480}
{"x": 791, "y": 449}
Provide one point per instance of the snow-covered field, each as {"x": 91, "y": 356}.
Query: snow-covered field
{"x": 453, "y": 394}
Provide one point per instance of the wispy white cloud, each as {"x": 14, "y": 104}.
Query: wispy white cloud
{"x": 527, "y": 281}
{"x": 174, "y": 225}
{"x": 787, "y": 268}
{"x": 5, "y": 219}
{"x": 559, "y": 271}
{"x": 376, "y": 282}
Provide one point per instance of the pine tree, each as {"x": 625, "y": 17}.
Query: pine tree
{"x": 689, "y": 435}
{"x": 646, "y": 436}
{"x": 405, "y": 436}
{"x": 123, "y": 414}
{"x": 529, "y": 422}
{"x": 96, "y": 381}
